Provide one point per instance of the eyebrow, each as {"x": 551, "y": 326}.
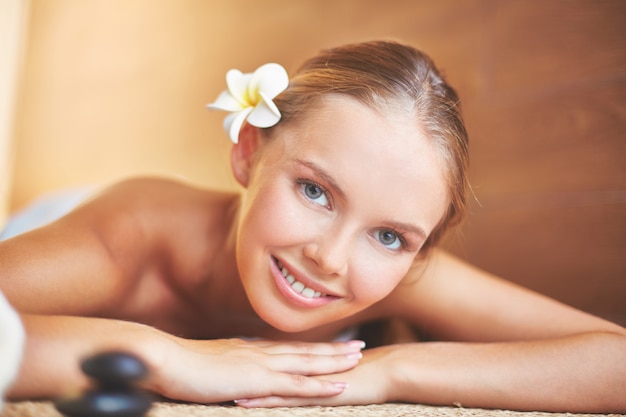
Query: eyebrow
{"x": 322, "y": 173}
{"x": 409, "y": 228}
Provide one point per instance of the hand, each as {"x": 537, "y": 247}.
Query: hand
{"x": 209, "y": 371}
{"x": 368, "y": 383}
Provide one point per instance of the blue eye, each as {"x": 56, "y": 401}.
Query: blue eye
{"x": 388, "y": 238}
{"x": 314, "y": 192}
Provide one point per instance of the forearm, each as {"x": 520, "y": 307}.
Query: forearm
{"x": 582, "y": 373}
{"x": 182, "y": 369}
{"x": 55, "y": 345}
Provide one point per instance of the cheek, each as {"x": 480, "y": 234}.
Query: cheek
{"x": 273, "y": 216}
{"x": 375, "y": 276}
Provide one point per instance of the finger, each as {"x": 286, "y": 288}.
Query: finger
{"x": 274, "y": 401}
{"x": 290, "y": 385}
{"x": 332, "y": 348}
{"x": 277, "y": 401}
{"x": 310, "y": 364}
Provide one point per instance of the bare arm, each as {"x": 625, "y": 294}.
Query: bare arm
{"x": 508, "y": 346}
{"x": 56, "y": 345}
{"x": 580, "y": 373}
{"x": 182, "y": 369}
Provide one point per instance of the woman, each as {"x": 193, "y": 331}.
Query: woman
{"x": 350, "y": 176}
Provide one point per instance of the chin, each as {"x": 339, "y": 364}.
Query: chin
{"x": 291, "y": 328}
{"x": 287, "y": 321}
{"x": 294, "y": 325}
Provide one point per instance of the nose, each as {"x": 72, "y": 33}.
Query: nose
{"x": 330, "y": 254}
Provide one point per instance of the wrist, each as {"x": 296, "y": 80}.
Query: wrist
{"x": 151, "y": 345}
{"x": 412, "y": 373}
{"x": 398, "y": 373}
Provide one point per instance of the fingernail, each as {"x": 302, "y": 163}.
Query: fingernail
{"x": 341, "y": 385}
{"x": 354, "y": 355}
{"x": 357, "y": 344}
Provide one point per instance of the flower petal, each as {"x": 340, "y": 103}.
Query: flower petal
{"x": 233, "y": 123}
{"x": 225, "y": 101}
{"x": 237, "y": 83}
{"x": 270, "y": 79}
{"x": 265, "y": 113}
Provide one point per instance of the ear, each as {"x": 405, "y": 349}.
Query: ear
{"x": 242, "y": 153}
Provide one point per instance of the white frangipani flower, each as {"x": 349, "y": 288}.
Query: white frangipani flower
{"x": 249, "y": 97}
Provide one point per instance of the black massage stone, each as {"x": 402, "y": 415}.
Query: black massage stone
{"x": 115, "y": 393}
{"x": 104, "y": 403}
{"x": 114, "y": 369}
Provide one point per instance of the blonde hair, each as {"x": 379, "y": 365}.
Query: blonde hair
{"x": 380, "y": 74}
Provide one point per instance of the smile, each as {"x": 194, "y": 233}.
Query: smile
{"x": 296, "y": 285}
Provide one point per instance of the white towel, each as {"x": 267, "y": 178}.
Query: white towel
{"x": 12, "y": 339}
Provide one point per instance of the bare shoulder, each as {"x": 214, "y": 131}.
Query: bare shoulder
{"x": 176, "y": 222}
{"x": 155, "y": 194}
{"x": 129, "y": 231}
{"x": 452, "y": 300}
{"x": 157, "y": 208}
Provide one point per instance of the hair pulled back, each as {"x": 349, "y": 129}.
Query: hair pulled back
{"x": 389, "y": 76}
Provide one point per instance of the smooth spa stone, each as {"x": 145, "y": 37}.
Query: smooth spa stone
{"x": 127, "y": 403}
{"x": 114, "y": 369}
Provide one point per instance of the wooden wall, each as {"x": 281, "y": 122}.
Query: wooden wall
{"x": 114, "y": 88}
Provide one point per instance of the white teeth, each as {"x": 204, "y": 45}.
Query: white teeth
{"x": 297, "y": 285}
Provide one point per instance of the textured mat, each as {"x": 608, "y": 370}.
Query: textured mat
{"x": 165, "y": 409}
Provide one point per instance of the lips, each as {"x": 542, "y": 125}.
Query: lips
{"x": 297, "y": 285}
{"x": 297, "y": 292}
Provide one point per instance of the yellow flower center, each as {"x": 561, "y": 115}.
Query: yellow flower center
{"x": 252, "y": 98}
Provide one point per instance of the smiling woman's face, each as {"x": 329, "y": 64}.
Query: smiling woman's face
{"x": 336, "y": 208}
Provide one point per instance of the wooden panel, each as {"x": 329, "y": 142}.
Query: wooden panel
{"x": 446, "y": 30}
{"x": 562, "y": 142}
{"x": 542, "y": 45}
